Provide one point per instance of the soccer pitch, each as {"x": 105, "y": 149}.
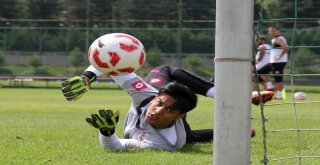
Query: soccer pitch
{"x": 38, "y": 126}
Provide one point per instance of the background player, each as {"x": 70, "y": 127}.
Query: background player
{"x": 263, "y": 66}
{"x": 278, "y": 57}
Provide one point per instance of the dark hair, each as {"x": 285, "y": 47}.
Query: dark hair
{"x": 185, "y": 98}
{"x": 262, "y": 37}
{"x": 274, "y": 27}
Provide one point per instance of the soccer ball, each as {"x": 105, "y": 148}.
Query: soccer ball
{"x": 300, "y": 96}
{"x": 116, "y": 54}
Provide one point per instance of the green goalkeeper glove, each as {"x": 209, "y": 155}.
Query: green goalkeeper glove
{"x": 106, "y": 122}
{"x": 75, "y": 87}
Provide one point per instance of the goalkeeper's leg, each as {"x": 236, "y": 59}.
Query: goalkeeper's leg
{"x": 162, "y": 75}
{"x": 202, "y": 135}
{"x": 197, "y": 136}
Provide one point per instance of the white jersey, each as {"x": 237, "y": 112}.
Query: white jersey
{"x": 265, "y": 60}
{"x": 276, "y": 50}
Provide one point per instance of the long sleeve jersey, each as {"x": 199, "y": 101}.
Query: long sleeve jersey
{"x": 138, "y": 133}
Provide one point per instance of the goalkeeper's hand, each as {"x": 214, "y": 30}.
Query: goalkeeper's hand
{"x": 106, "y": 122}
{"x": 75, "y": 87}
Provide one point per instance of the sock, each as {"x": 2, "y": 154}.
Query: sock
{"x": 210, "y": 92}
{"x": 269, "y": 85}
{"x": 284, "y": 96}
{"x": 279, "y": 94}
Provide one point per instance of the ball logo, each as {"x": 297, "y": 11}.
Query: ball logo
{"x": 138, "y": 85}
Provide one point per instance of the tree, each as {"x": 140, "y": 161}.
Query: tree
{"x": 2, "y": 60}
{"x": 160, "y": 11}
{"x": 40, "y": 9}
{"x": 194, "y": 10}
{"x": 74, "y": 12}
{"x": 278, "y": 9}
{"x": 9, "y": 9}
{"x": 304, "y": 61}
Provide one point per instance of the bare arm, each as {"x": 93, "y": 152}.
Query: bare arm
{"x": 283, "y": 45}
{"x": 262, "y": 52}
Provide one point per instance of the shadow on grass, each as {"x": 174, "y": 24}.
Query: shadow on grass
{"x": 197, "y": 148}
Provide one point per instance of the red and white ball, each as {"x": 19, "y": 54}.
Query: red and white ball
{"x": 117, "y": 54}
{"x": 300, "y": 96}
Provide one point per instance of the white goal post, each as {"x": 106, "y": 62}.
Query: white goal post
{"x": 233, "y": 55}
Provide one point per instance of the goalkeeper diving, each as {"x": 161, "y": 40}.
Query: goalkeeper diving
{"x": 158, "y": 112}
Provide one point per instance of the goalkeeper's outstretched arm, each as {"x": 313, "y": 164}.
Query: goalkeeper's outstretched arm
{"x": 73, "y": 88}
{"x": 106, "y": 121}
{"x": 113, "y": 142}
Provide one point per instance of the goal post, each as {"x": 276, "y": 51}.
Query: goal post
{"x": 233, "y": 56}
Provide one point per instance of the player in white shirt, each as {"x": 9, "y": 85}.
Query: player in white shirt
{"x": 263, "y": 66}
{"x": 278, "y": 57}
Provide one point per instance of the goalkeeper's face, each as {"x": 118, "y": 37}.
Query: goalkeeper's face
{"x": 160, "y": 114}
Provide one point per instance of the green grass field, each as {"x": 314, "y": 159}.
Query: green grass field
{"x": 39, "y": 127}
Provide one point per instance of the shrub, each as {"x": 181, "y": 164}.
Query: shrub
{"x": 35, "y": 61}
{"x": 76, "y": 57}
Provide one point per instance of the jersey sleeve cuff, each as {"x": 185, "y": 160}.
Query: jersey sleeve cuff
{"x": 94, "y": 70}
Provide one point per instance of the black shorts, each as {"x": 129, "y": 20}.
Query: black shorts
{"x": 277, "y": 68}
{"x": 264, "y": 70}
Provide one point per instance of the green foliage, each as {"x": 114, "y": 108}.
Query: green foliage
{"x": 155, "y": 29}
{"x": 23, "y": 40}
{"x": 197, "y": 41}
{"x": 154, "y": 57}
{"x": 2, "y": 60}
{"x": 21, "y": 70}
{"x": 39, "y": 9}
{"x": 195, "y": 61}
{"x": 5, "y": 71}
{"x": 285, "y": 8}
{"x": 304, "y": 61}
{"x": 35, "y": 61}
{"x": 42, "y": 71}
{"x": 76, "y": 57}
{"x": 9, "y": 9}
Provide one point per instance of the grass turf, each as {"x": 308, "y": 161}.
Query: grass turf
{"x": 39, "y": 127}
